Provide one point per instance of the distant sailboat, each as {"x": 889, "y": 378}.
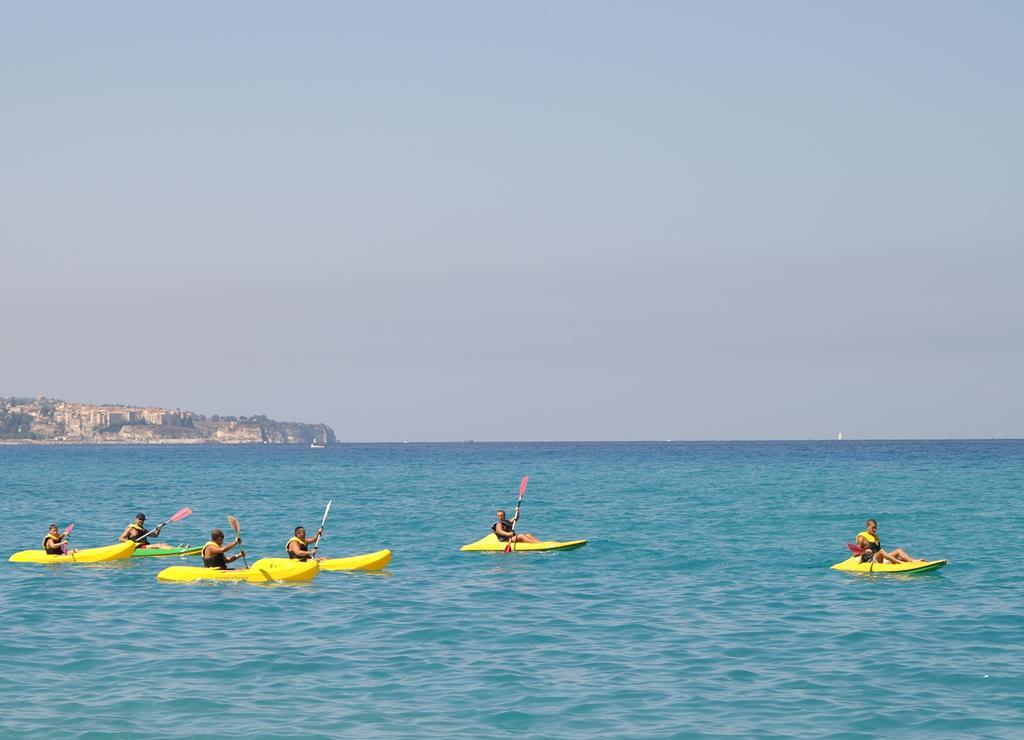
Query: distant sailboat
{"x": 840, "y": 437}
{"x": 317, "y": 446}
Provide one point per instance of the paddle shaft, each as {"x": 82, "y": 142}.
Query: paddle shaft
{"x": 67, "y": 537}
{"x": 238, "y": 533}
{"x": 323, "y": 521}
{"x": 510, "y": 545}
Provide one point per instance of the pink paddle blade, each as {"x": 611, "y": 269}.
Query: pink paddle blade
{"x": 522, "y": 485}
{"x": 855, "y": 549}
{"x": 67, "y": 531}
{"x": 180, "y": 515}
{"x": 234, "y": 524}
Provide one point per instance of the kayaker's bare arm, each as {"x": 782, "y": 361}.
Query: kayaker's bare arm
{"x": 218, "y": 549}
{"x": 124, "y": 535}
{"x": 295, "y": 549}
{"x": 503, "y": 530}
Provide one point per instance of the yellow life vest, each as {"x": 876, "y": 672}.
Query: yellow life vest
{"x": 221, "y": 558}
{"x": 288, "y": 547}
{"x": 869, "y": 537}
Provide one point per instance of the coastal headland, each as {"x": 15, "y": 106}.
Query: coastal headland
{"x": 50, "y": 420}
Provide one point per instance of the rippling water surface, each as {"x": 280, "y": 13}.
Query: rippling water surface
{"x": 704, "y": 602}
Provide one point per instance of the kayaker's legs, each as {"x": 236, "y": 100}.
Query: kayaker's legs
{"x": 158, "y": 546}
{"x": 902, "y": 555}
{"x": 525, "y": 537}
{"x": 883, "y": 557}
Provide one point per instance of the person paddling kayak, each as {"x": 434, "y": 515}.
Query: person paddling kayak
{"x": 298, "y": 548}
{"x": 54, "y": 542}
{"x": 504, "y": 530}
{"x": 872, "y": 545}
{"x": 213, "y": 551}
{"x": 137, "y": 529}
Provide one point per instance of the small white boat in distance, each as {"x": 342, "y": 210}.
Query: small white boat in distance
{"x": 840, "y": 437}
{"x": 316, "y": 445}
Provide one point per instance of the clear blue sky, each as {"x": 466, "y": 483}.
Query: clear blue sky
{"x": 438, "y": 221}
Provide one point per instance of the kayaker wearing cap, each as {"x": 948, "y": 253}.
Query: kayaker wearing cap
{"x": 298, "y": 547}
{"x": 504, "y": 530}
{"x": 137, "y": 529}
{"x": 872, "y": 545}
{"x": 53, "y": 542}
{"x": 213, "y": 551}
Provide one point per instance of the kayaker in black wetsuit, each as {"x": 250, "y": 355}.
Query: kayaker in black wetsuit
{"x": 298, "y": 548}
{"x": 137, "y": 529}
{"x": 872, "y": 545}
{"x": 213, "y": 551}
{"x": 503, "y": 529}
{"x": 53, "y": 542}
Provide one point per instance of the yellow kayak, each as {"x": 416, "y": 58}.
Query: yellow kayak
{"x": 118, "y": 551}
{"x": 369, "y": 561}
{"x": 264, "y": 570}
{"x": 854, "y": 565}
{"x": 491, "y": 543}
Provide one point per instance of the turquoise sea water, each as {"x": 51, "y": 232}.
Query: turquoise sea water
{"x": 704, "y": 602}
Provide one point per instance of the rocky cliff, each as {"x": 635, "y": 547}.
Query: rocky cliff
{"x": 52, "y": 420}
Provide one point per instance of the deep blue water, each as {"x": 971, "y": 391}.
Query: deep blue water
{"x": 704, "y": 602}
